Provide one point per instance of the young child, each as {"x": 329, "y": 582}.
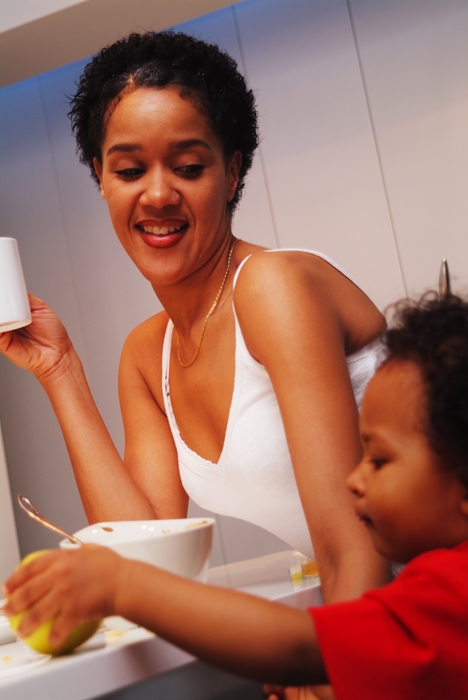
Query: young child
{"x": 407, "y": 640}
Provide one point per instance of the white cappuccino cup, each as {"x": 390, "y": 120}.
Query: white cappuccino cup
{"x": 14, "y": 304}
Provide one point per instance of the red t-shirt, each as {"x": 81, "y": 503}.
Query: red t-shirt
{"x": 405, "y": 641}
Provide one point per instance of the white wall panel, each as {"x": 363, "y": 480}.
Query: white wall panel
{"x": 415, "y": 60}
{"x": 253, "y": 220}
{"x": 30, "y": 211}
{"x": 318, "y": 145}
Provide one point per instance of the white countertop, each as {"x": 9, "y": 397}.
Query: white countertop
{"x": 124, "y": 655}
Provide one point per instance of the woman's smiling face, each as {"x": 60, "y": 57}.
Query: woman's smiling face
{"x": 166, "y": 182}
{"x": 409, "y": 502}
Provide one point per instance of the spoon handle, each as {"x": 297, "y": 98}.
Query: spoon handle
{"x": 33, "y": 513}
{"x": 444, "y": 280}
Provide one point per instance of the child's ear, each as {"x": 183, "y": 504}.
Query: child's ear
{"x": 464, "y": 503}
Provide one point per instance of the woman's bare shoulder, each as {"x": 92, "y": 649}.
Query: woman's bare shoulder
{"x": 147, "y": 337}
{"x": 304, "y": 265}
{"x": 140, "y": 363}
{"x": 267, "y": 271}
{"x": 289, "y": 278}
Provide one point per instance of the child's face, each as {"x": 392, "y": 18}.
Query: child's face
{"x": 407, "y": 501}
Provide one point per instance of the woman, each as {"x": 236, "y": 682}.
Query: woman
{"x": 254, "y": 415}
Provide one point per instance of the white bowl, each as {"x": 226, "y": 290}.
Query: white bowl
{"x": 180, "y": 546}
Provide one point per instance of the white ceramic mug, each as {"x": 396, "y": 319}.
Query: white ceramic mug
{"x": 14, "y": 304}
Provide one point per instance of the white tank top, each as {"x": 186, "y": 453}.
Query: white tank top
{"x": 254, "y": 478}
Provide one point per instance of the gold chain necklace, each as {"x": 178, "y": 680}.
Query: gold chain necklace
{"x": 210, "y": 312}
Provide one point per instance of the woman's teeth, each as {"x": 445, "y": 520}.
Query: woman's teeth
{"x": 162, "y": 230}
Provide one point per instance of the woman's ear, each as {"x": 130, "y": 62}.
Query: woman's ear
{"x": 234, "y": 167}
{"x": 98, "y": 170}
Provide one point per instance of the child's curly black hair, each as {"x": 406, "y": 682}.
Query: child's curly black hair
{"x": 203, "y": 74}
{"x": 433, "y": 333}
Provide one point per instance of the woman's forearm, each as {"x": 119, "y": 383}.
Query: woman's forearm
{"x": 357, "y": 571}
{"x": 347, "y": 561}
{"x": 106, "y": 489}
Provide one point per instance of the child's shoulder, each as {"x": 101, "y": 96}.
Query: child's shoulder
{"x": 435, "y": 559}
{"x": 440, "y": 573}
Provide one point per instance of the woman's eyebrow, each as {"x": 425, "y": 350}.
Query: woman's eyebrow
{"x": 124, "y": 148}
{"x": 188, "y": 143}
{"x": 178, "y": 146}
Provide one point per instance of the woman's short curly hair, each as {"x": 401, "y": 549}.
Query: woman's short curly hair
{"x": 433, "y": 333}
{"x": 202, "y": 73}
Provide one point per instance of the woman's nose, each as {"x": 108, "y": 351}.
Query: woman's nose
{"x": 159, "y": 190}
{"x": 356, "y": 481}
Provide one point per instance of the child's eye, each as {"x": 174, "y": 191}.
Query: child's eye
{"x": 130, "y": 173}
{"x": 378, "y": 462}
{"x": 190, "y": 171}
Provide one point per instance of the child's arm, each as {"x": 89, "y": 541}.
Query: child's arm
{"x": 242, "y": 634}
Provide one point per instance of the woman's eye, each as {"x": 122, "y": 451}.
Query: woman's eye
{"x": 129, "y": 173}
{"x": 190, "y": 170}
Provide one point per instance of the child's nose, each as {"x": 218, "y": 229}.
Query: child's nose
{"x": 356, "y": 480}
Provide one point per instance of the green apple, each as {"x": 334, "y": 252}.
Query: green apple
{"x": 39, "y": 639}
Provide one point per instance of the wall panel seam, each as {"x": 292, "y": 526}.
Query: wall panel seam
{"x": 376, "y": 143}
{"x": 260, "y": 150}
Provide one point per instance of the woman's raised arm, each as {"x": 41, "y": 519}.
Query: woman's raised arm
{"x": 299, "y": 317}
{"x": 108, "y": 489}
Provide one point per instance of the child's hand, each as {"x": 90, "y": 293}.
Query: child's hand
{"x": 75, "y": 586}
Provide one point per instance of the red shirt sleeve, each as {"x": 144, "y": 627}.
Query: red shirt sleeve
{"x": 405, "y": 641}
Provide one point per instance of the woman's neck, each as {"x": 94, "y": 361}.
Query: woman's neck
{"x": 189, "y": 301}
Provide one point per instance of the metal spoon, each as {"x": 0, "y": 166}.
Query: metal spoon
{"x": 444, "y": 280}
{"x": 33, "y": 513}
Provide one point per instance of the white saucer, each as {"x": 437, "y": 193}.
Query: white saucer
{"x": 6, "y": 633}
{"x": 18, "y": 658}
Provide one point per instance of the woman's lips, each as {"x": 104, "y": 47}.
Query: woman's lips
{"x": 163, "y": 236}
